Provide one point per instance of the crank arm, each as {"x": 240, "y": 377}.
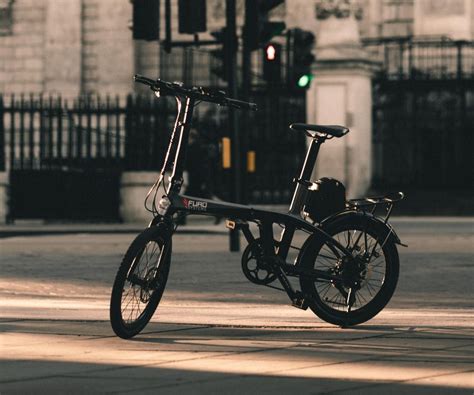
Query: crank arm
{"x": 297, "y": 298}
{"x": 315, "y": 274}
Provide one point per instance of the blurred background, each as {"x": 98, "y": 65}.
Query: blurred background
{"x": 79, "y": 141}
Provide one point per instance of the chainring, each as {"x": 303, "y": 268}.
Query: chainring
{"x": 253, "y": 265}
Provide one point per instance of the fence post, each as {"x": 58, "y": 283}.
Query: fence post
{"x": 129, "y": 110}
{"x": 2, "y": 135}
{"x": 4, "y": 179}
{"x": 459, "y": 69}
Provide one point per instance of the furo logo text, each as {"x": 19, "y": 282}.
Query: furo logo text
{"x": 195, "y": 205}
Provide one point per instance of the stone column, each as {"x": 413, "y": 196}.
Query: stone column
{"x": 133, "y": 189}
{"x": 63, "y": 47}
{"x": 114, "y": 48}
{"x": 341, "y": 94}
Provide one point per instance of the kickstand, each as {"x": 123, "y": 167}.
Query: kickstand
{"x": 350, "y": 299}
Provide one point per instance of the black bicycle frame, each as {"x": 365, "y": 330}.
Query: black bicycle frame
{"x": 240, "y": 214}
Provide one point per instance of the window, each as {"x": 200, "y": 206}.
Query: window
{"x": 6, "y": 17}
{"x": 396, "y": 11}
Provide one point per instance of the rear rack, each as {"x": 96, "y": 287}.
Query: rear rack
{"x": 372, "y": 203}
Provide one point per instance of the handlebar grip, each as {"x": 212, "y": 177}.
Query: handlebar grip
{"x": 242, "y": 104}
{"x": 143, "y": 80}
{"x": 253, "y": 107}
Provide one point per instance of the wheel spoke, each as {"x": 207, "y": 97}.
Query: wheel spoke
{"x": 135, "y": 298}
{"x": 370, "y": 286}
{"x": 327, "y": 257}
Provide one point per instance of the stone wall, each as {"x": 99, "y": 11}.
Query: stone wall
{"x": 62, "y": 47}
{"x": 115, "y": 47}
{"x": 68, "y": 47}
{"x": 452, "y": 18}
{"x": 22, "y": 52}
{"x": 86, "y": 45}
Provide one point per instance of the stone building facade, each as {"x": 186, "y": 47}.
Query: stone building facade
{"x": 66, "y": 46}
{"x": 76, "y": 47}
{"x": 85, "y": 46}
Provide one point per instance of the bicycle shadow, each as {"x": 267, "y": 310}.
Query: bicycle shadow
{"x": 171, "y": 357}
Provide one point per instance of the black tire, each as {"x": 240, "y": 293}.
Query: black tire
{"x": 140, "y": 281}
{"x": 378, "y": 278}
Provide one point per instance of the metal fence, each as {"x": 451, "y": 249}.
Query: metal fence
{"x": 428, "y": 59}
{"x": 64, "y": 158}
{"x": 278, "y": 152}
{"x": 94, "y": 133}
{"x": 148, "y": 124}
{"x": 422, "y": 117}
{"x": 52, "y": 133}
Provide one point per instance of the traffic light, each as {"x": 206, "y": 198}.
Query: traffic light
{"x": 192, "y": 16}
{"x": 258, "y": 30}
{"x": 219, "y": 60}
{"x": 302, "y": 58}
{"x": 272, "y": 63}
{"x": 146, "y": 20}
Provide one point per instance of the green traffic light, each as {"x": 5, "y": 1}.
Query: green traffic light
{"x": 305, "y": 80}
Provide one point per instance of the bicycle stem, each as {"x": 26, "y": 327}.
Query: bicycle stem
{"x": 184, "y": 123}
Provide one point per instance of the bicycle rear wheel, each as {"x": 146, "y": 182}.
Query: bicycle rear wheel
{"x": 140, "y": 281}
{"x": 367, "y": 281}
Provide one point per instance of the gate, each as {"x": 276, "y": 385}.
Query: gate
{"x": 64, "y": 160}
{"x": 422, "y": 113}
{"x": 279, "y": 151}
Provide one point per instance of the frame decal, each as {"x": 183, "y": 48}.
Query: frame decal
{"x": 195, "y": 205}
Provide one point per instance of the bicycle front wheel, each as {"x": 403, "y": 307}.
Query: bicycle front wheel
{"x": 367, "y": 281}
{"x": 140, "y": 281}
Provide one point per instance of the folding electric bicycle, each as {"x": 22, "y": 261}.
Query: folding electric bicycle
{"x": 347, "y": 266}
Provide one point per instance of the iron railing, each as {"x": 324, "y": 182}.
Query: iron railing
{"x": 423, "y": 59}
{"x": 52, "y": 133}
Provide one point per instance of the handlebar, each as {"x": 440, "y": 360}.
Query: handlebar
{"x": 195, "y": 92}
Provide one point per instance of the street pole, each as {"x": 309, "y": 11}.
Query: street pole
{"x": 231, "y": 58}
{"x": 246, "y": 54}
{"x": 246, "y": 87}
{"x": 168, "y": 38}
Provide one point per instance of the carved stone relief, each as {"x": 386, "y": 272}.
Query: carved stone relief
{"x": 338, "y": 8}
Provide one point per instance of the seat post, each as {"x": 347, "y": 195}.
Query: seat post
{"x": 299, "y": 195}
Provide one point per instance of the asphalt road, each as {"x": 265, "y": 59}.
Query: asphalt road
{"x": 216, "y": 332}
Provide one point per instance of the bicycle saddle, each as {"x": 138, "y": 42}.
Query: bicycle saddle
{"x": 332, "y": 130}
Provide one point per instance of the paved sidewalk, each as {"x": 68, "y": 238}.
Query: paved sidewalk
{"x": 195, "y": 224}
{"x": 36, "y": 228}
{"x": 216, "y": 333}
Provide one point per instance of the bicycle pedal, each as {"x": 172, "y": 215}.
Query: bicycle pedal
{"x": 235, "y": 224}
{"x": 300, "y": 302}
